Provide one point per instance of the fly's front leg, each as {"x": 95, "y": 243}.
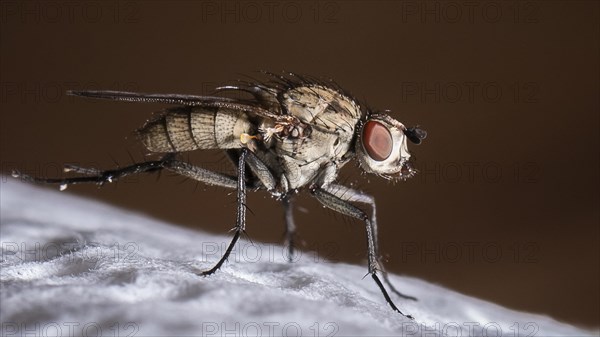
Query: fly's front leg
{"x": 240, "y": 223}
{"x": 343, "y": 206}
{"x": 352, "y": 195}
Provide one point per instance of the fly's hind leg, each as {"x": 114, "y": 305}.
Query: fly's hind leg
{"x": 95, "y": 176}
{"x": 352, "y": 195}
{"x": 100, "y": 177}
{"x": 342, "y": 205}
{"x": 168, "y": 162}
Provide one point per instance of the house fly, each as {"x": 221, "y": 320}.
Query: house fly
{"x": 287, "y": 134}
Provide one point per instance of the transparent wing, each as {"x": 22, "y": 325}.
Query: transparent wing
{"x": 152, "y": 98}
{"x": 178, "y": 99}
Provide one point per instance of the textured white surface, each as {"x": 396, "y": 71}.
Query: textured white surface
{"x": 71, "y": 266}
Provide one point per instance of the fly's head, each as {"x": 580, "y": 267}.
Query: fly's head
{"x": 382, "y": 149}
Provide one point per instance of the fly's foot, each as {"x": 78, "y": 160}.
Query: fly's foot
{"x": 290, "y": 246}
{"x": 387, "y": 297}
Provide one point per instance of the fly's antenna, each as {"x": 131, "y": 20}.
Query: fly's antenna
{"x": 415, "y": 134}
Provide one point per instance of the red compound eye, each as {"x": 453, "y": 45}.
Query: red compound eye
{"x": 377, "y": 140}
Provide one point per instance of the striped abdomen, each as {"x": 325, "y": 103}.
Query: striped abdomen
{"x": 186, "y": 129}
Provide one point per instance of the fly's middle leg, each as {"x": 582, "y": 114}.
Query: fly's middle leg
{"x": 258, "y": 174}
{"x": 290, "y": 226}
{"x": 240, "y": 223}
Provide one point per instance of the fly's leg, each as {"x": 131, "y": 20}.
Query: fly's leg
{"x": 201, "y": 174}
{"x": 260, "y": 171}
{"x": 264, "y": 175}
{"x": 343, "y": 206}
{"x": 169, "y": 163}
{"x": 240, "y": 223}
{"x": 290, "y": 226}
{"x": 352, "y": 195}
{"x": 259, "y": 175}
{"x": 108, "y": 176}
{"x": 96, "y": 176}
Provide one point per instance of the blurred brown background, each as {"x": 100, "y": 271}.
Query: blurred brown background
{"x": 506, "y": 205}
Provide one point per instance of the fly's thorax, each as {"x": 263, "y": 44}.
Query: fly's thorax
{"x": 321, "y": 105}
{"x": 381, "y": 147}
{"x": 303, "y": 158}
{"x": 319, "y": 126}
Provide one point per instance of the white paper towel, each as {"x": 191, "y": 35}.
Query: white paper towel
{"x": 72, "y": 266}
